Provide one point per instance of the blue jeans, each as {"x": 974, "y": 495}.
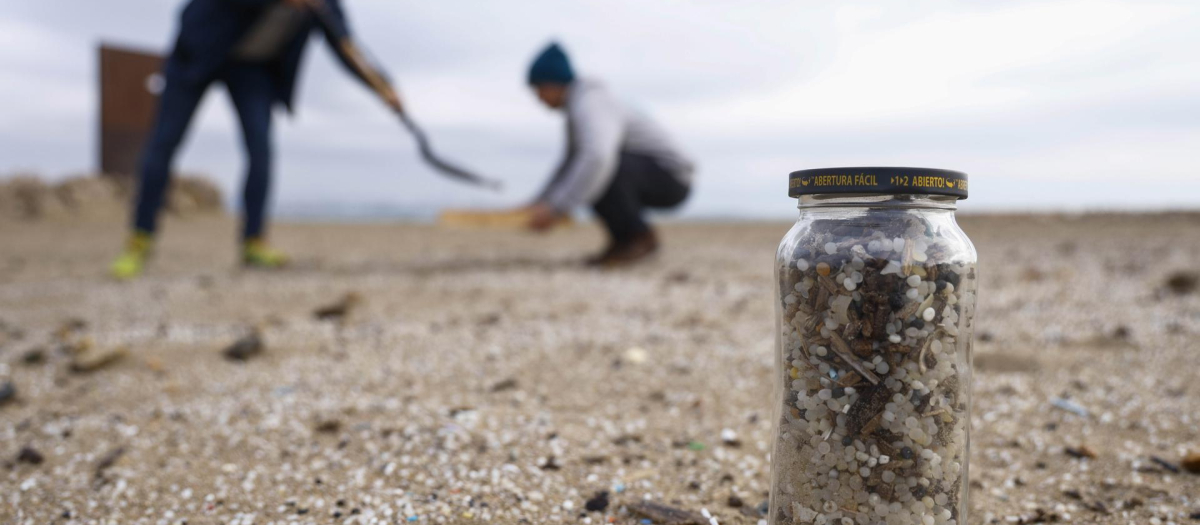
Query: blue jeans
{"x": 252, "y": 91}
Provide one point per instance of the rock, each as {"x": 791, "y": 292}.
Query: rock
{"x": 659, "y": 513}
{"x": 249, "y": 346}
{"x": 329, "y": 426}
{"x": 635, "y": 355}
{"x": 550, "y": 464}
{"x": 8, "y": 393}
{"x": 1191, "y": 463}
{"x": 33, "y": 356}
{"x": 1183, "y": 282}
{"x": 598, "y": 502}
{"x": 1170, "y": 467}
{"x": 1081, "y": 452}
{"x": 30, "y": 455}
{"x": 507, "y": 384}
{"x": 735, "y": 502}
{"x": 109, "y": 460}
{"x": 339, "y": 310}
{"x": 92, "y": 360}
{"x": 1069, "y": 406}
{"x": 730, "y": 439}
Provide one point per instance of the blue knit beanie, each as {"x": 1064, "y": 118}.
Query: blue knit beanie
{"x": 551, "y": 67}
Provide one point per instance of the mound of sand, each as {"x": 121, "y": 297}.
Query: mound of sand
{"x": 27, "y": 197}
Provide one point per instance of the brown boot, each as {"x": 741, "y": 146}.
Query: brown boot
{"x": 628, "y": 252}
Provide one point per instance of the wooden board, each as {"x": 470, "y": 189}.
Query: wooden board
{"x": 517, "y": 219}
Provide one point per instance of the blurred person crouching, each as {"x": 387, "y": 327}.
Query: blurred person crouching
{"x": 618, "y": 161}
{"x": 254, "y": 47}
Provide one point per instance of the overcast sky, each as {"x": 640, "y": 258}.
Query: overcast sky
{"x": 1047, "y": 104}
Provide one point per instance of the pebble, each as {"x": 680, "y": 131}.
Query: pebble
{"x": 1191, "y": 463}
{"x": 249, "y": 346}
{"x": 598, "y": 502}
{"x": 823, "y": 269}
{"x": 8, "y": 392}
{"x": 92, "y": 359}
{"x": 30, "y": 455}
{"x": 338, "y": 310}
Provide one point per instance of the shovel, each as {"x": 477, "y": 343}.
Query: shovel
{"x": 352, "y": 54}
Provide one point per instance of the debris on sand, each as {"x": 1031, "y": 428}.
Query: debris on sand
{"x": 598, "y": 502}
{"x": 730, "y": 439}
{"x": 8, "y": 392}
{"x": 69, "y": 328}
{"x": 339, "y": 310}
{"x": 665, "y": 515}
{"x": 1069, "y": 406}
{"x": 550, "y": 464}
{"x": 1170, "y": 467}
{"x": 30, "y": 455}
{"x": 1081, "y": 452}
{"x": 329, "y": 426}
{"x": 505, "y": 385}
{"x": 92, "y": 359}
{"x": 1191, "y": 463}
{"x": 635, "y": 356}
{"x": 108, "y": 461}
{"x": 33, "y": 356}
{"x": 1183, "y": 282}
{"x": 249, "y": 346}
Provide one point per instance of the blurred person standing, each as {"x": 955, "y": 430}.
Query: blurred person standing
{"x": 618, "y": 161}
{"x": 254, "y": 47}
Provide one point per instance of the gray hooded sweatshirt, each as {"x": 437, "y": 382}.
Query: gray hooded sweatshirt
{"x": 599, "y": 129}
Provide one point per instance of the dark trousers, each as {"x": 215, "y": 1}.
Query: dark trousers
{"x": 252, "y": 91}
{"x": 639, "y": 183}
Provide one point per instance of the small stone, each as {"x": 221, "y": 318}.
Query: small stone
{"x": 1191, "y": 463}
{"x": 329, "y": 426}
{"x": 92, "y": 359}
{"x": 1081, "y": 452}
{"x": 906, "y": 453}
{"x": 34, "y": 356}
{"x": 598, "y": 502}
{"x": 735, "y": 502}
{"x": 109, "y": 460}
{"x": 635, "y": 355}
{"x": 340, "y": 309}
{"x": 505, "y": 385}
{"x": 8, "y": 392}
{"x": 245, "y": 348}
{"x": 1183, "y": 283}
{"x": 823, "y": 269}
{"x": 730, "y": 439}
{"x": 30, "y": 455}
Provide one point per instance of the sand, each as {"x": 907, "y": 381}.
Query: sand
{"x": 483, "y": 377}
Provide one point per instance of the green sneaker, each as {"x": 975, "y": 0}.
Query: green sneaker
{"x": 132, "y": 261}
{"x": 257, "y": 254}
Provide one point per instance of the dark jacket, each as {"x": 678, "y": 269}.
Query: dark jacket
{"x": 209, "y": 30}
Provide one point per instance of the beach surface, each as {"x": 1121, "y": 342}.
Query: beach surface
{"x": 484, "y": 376}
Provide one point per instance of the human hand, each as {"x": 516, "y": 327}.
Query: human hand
{"x": 392, "y": 99}
{"x": 542, "y": 217}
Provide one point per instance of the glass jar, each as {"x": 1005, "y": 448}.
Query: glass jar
{"x": 874, "y": 315}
